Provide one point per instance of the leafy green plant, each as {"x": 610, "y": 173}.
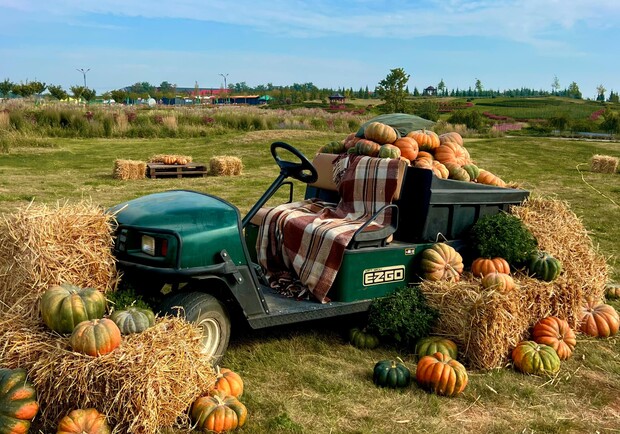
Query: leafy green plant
{"x": 126, "y": 296}
{"x": 402, "y": 317}
{"x": 503, "y": 235}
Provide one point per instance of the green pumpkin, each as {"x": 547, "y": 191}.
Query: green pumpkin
{"x": 133, "y": 319}
{"x": 389, "y": 151}
{"x": 457, "y": 173}
{"x": 435, "y": 344}
{"x": 367, "y": 147}
{"x": 472, "y": 170}
{"x": 18, "y": 401}
{"x": 333, "y": 148}
{"x": 533, "y": 358}
{"x": 362, "y": 339}
{"x": 543, "y": 266}
{"x": 391, "y": 373}
{"x": 65, "y": 306}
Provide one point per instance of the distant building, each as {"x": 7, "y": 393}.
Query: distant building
{"x": 336, "y": 101}
{"x": 429, "y": 91}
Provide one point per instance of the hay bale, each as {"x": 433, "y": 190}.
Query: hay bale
{"x": 487, "y": 325}
{"x": 146, "y": 384}
{"x": 170, "y": 159}
{"x": 604, "y": 164}
{"x": 225, "y": 166}
{"x": 129, "y": 169}
{"x": 43, "y": 245}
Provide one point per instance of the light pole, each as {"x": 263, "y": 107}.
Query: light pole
{"x": 83, "y": 71}
{"x": 225, "y": 85}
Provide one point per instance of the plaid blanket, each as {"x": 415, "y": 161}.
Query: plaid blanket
{"x": 310, "y": 237}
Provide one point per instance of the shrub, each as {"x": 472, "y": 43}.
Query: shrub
{"x": 402, "y": 317}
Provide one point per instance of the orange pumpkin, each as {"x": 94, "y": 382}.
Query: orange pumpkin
{"x": 96, "y": 337}
{"x": 441, "y": 262}
{"x": 169, "y": 159}
{"x": 427, "y": 140}
{"x": 498, "y": 281}
{"x": 451, "y": 152}
{"x": 218, "y": 413}
{"x": 452, "y": 136}
{"x": 88, "y": 421}
{"x": 229, "y": 382}
{"x": 440, "y": 170}
{"x": 488, "y": 178}
{"x": 482, "y": 266}
{"x": 441, "y": 374}
{"x": 380, "y": 133}
{"x": 556, "y": 333}
{"x": 350, "y": 141}
{"x": 408, "y": 147}
{"x": 18, "y": 401}
{"x": 423, "y": 155}
{"x": 599, "y": 319}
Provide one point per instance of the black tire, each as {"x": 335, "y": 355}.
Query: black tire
{"x": 209, "y": 313}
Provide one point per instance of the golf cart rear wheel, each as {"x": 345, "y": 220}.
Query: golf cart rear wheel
{"x": 209, "y": 314}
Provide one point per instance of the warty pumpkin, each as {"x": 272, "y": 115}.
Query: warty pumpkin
{"x": 367, "y": 147}
{"x": 350, "y": 141}
{"x": 228, "y": 382}
{"x": 532, "y": 358}
{"x": 457, "y": 173}
{"x": 440, "y": 170}
{"x": 556, "y": 333}
{"x": 598, "y": 319}
{"x": 427, "y": 140}
{"x": 435, "y": 344}
{"x": 472, "y": 170}
{"x": 482, "y": 266}
{"x": 84, "y": 421}
{"x": 380, "y": 133}
{"x": 441, "y": 262}
{"x": 218, "y": 413}
{"x": 64, "y": 306}
{"x": 95, "y": 337}
{"x": 18, "y": 401}
{"x": 388, "y": 151}
{"x": 441, "y": 374}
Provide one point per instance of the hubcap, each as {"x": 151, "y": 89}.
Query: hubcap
{"x": 211, "y": 336}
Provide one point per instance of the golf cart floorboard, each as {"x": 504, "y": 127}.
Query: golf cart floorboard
{"x": 287, "y": 310}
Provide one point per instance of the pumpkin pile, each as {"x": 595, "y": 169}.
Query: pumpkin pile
{"x": 444, "y": 154}
{"x": 170, "y": 159}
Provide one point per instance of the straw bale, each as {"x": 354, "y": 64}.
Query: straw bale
{"x": 43, "y": 245}
{"x": 170, "y": 159}
{"x": 225, "y": 166}
{"x": 487, "y": 325}
{"x": 146, "y": 384}
{"x": 129, "y": 169}
{"x": 604, "y": 164}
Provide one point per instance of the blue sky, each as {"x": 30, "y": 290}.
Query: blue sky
{"x": 332, "y": 43}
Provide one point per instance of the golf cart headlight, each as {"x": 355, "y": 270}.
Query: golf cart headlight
{"x": 148, "y": 245}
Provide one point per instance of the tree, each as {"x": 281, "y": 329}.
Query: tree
{"x": 478, "y": 87}
{"x": 6, "y": 86}
{"x": 600, "y": 92}
{"x": 77, "y": 91}
{"x": 611, "y": 121}
{"x": 441, "y": 87}
{"x": 392, "y": 90}
{"x": 555, "y": 85}
{"x": 57, "y": 92}
{"x": 89, "y": 94}
{"x": 119, "y": 95}
{"x": 23, "y": 89}
{"x": 573, "y": 91}
{"x": 613, "y": 97}
{"x": 37, "y": 87}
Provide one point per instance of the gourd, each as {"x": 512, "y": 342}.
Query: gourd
{"x": 427, "y": 140}
{"x": 83, "y": 421}
{"x": 556, "y": 333}
{"x": 457, "y": 173}
{"x": 441, "y": 374}
{"x": 488, "y": 178}
{"x": 95, "y": 337}
{"x": 218, "y": 413}
{"x": 452, "y": 153}
{"x": 483, "y": 266}
{"x": 472, "y": 170}
{"x": 228, "y": 382}
{"x": 452, "y": 136}
{"x": 500, "y": 282}
{"x": 435, "y": 344}
{"x": 64, "y": 306}
{"x": 543, "y": 266}
{"x": 391, "y": 373}
{"x": 133, "y": 319}
{"x": 408, "y": 147}
{"x": 389, "y": 151}
{"x": 18, "y": 401}
{"x": 360, "y": 338}
{"x": 380, "y": 133}
{"x": 441, "y": 262}
{"x": 598, "y": 319}
{"x": 530, "y": 357}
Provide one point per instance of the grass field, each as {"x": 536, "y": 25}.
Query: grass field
{"x": 307, "y": 379}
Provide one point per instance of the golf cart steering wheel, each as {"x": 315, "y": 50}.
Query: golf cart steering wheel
{"x": 304, "y": 171}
